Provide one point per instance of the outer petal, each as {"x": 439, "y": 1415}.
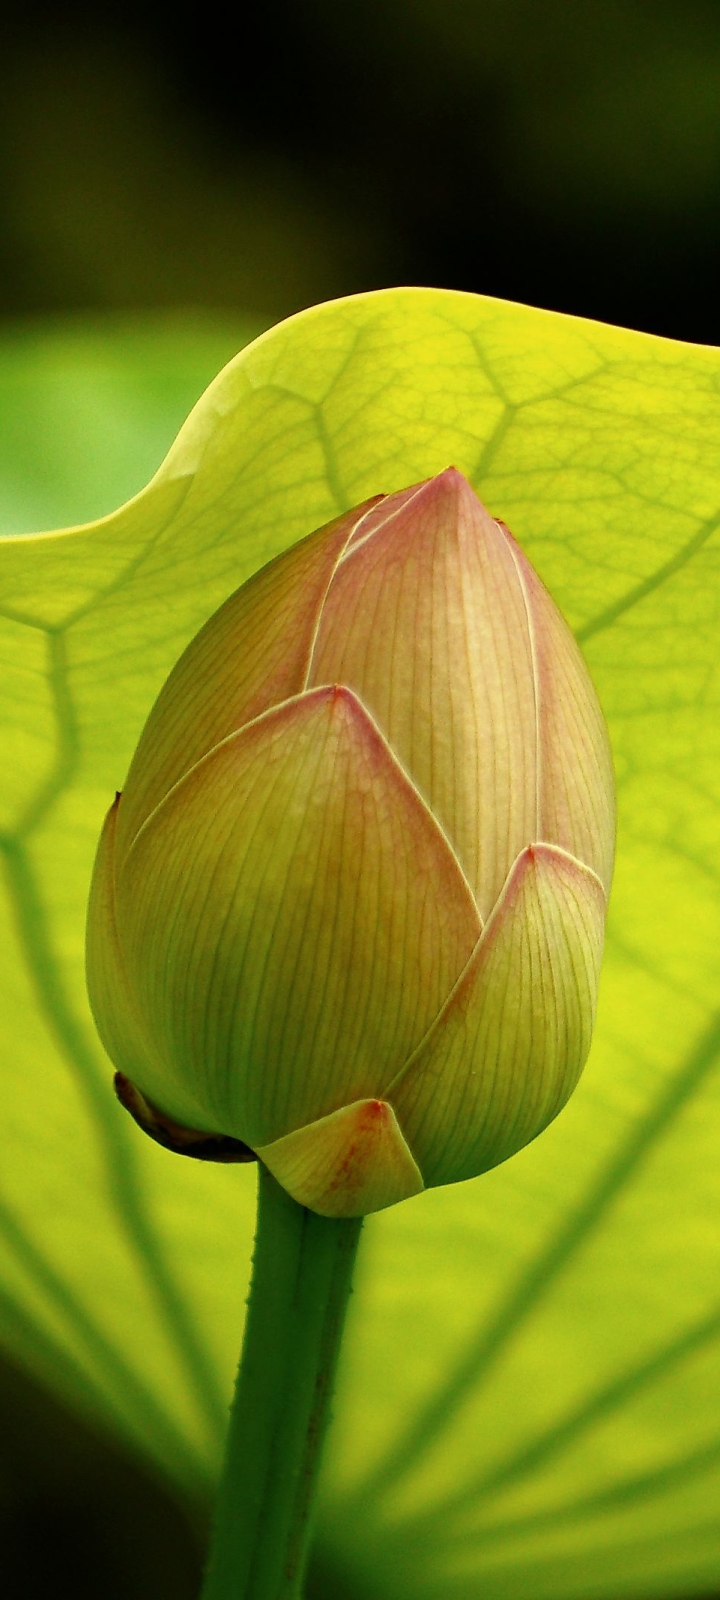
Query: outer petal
{"x": 251, "y": 654}
{"x": 292, "y": 919}
{"x": 507, "y": 1050}
{"x": 426, "y": 619}
{"x": 113, "y": 1005}
{"x": 345, "y": 1165}
{"x": 576, "y": 785}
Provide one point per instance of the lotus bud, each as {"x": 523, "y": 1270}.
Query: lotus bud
{"x": 348, "y": 914}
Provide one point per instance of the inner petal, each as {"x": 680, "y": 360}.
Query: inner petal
{"x": 426, "y": 620}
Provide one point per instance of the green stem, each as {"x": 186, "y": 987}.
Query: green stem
{"x": 302, "y": 1270}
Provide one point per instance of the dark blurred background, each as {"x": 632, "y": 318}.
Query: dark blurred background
{"x": 565, "y": 154}
{"x": 561, "y": 152}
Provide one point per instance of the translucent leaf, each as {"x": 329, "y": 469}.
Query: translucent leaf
{"x": 530, "y": 1393}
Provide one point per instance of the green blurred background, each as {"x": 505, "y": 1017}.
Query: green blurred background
{"x": 193, "y": 181}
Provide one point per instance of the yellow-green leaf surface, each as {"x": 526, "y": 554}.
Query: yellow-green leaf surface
{"x": 529, "y": 1400}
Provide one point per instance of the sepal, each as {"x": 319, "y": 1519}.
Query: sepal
{"x": 347, "y": 1164}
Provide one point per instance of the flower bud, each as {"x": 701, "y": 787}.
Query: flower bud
{"x": 348, "y": 913}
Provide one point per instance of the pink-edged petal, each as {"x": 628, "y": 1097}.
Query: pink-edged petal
{"x": 252, "y": 653}
{"x": 292, "y": 919}
{"x": 345, "y": 1165}
{"x": 576, "y": 786}
{"x": 387, "y": 506}
{"x": 426, "y": 620}
{"x": 508, "y": 1048}
{"x": 111, "y": 998}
